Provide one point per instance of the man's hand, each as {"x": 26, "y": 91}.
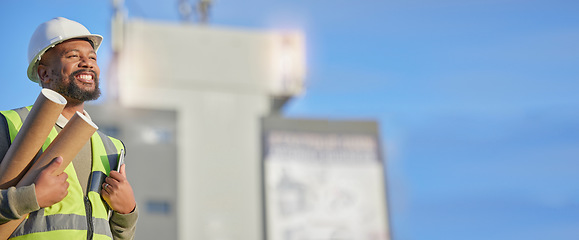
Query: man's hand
{"x": 118, "y": 193}
{"x": 51, "y": 188}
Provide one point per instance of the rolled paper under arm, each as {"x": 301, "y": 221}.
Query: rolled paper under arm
{"x": 67, "y": 144}
{"x": 31, "y": 137}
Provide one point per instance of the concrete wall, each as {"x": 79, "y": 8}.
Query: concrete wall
{"x": 151, "y": 163}
{"x": 219, "y": 83}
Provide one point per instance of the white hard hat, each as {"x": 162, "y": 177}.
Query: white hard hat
{"x": 53, "y": 32}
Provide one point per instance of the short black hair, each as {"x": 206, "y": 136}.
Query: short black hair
{"x": 88, "y": 40}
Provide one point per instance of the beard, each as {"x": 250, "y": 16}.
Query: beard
{"x": 72, "y": 90}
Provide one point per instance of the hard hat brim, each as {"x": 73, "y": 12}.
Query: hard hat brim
{"x": 33, "y": 65}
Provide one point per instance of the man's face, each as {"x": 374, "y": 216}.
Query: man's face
{"x": 70, "y": 68}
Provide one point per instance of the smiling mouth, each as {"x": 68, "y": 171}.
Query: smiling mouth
{"x": 85, "y": 77}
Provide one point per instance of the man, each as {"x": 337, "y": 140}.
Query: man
{"x": 77, "y": 203}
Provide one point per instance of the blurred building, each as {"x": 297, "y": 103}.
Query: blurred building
{"x": 189, "y": 102}
{"x": 323, "y": 180}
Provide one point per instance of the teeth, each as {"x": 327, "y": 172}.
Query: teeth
{"x": 85, "y": 77}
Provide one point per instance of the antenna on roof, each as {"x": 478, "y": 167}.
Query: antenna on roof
{"x": 203, "y": 10}
{"x": 200, "y": 9}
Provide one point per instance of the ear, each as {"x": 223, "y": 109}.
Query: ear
{"x": 43, "y": 74}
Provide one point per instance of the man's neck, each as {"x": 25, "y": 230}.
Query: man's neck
{"x": 70, "y": 109}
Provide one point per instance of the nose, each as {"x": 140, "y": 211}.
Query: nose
{"x": 86, "y": 62}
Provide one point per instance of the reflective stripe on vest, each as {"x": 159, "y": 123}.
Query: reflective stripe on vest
{"x": 38, "y": 222}
{"x": 67, "y": 218}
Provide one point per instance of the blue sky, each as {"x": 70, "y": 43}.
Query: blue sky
{"x": 476, "y": 99}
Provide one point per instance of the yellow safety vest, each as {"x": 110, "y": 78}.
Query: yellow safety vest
{"x": 77, "y": 216}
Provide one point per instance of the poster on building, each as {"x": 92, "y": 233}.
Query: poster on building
{"x": 323, "y": 180}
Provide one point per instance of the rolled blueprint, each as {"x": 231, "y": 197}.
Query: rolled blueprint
{"x": 31, "y": 137}
{"x": 67, "y": 144}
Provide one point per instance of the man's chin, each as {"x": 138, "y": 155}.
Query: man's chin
{"x": 86, "y": 86}
{"x": 87, "y": 90}
{"x": 84, "y": 96}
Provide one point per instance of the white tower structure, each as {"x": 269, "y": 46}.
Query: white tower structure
{"x": 215, "y": 84}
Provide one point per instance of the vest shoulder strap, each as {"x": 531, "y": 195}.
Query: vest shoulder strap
{"x": 4, "y": 137}
{"x": 10, "y": 123}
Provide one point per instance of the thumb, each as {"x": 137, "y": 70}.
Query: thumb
{"x": 122, "y": 170}
{"x": 54, "y": 164}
